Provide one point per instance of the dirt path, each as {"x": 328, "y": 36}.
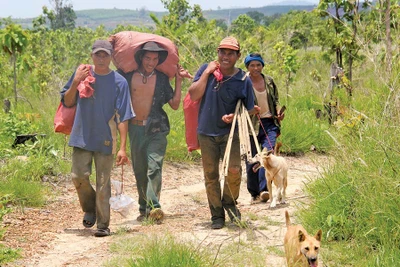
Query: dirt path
{"x": 54, "y": 235}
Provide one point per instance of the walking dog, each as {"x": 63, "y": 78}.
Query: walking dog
{"x": 301, "y": 249}
{"x": 276, "y": 169}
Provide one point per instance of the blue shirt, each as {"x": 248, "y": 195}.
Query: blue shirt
{"x": 96, "y": 118}
{"x": 217, "y": 102}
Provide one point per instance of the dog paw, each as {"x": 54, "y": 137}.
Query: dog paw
{"x": 273, "y": 205}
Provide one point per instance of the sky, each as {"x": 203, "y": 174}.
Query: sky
{"x": 33, "y": 8}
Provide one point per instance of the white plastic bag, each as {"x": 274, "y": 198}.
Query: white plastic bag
{"x": 120, "y": 203}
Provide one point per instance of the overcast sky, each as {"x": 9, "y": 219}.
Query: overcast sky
{"x": 33, "y": 8}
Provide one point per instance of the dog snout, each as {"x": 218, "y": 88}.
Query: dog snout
{"x": 312, "y": 261}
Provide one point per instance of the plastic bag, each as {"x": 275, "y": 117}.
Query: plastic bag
{"x": 120, "y": 203}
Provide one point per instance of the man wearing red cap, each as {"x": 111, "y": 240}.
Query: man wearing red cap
{"x": 220, "y": 85}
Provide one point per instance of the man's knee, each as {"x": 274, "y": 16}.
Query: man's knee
{"x": 78, "y": 180}
{"x": 234, "y": 170}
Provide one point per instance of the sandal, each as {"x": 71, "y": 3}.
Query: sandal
{"x": 89, "y": 219}
{"x": 102, "y": 232}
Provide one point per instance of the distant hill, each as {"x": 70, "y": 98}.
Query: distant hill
{"x": 110, "y": 18}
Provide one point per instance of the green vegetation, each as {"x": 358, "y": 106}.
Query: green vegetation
{"x": 158, "y": 251}
{"x": 352, "y": 116}
{"x": 165, "y": 250}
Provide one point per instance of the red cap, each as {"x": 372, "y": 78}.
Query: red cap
{"x": 229, "y": 43}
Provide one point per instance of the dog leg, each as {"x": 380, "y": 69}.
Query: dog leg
{"x": 284, "y": 191}
{"x": 271, "y": 193}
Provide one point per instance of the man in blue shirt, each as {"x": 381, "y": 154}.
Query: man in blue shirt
{"x": 218, "y": 101}
{"x": 93, "y": 137}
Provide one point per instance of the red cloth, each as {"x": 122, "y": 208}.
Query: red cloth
{"x": 191, "y": 114}
{"x": 127, "y": 43}
{"x": 218, "y": 74}
{"x": 84, "y": 88}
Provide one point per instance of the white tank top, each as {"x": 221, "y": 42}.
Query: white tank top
{"x": 263, "y": 104}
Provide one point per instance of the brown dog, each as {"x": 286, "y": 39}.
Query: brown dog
{"x": 301, "y": 249}
{"x": 276, "y": 169}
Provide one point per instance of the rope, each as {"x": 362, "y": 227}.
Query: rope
{"x": 122, "y": 178}
{"x": 265, "y": 132}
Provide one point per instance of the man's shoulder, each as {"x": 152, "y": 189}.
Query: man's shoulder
{"x": 268, "y": 80}
{"x": 120, "y": 80}
{"x": 161, "y": 74}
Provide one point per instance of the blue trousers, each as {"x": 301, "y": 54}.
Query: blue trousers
{"x": 256, "y": 181}
{"x": 147, "y": 152}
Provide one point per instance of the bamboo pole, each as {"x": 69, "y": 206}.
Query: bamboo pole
{"x": 225, "y": 161}
{"x": 253, "y": 132}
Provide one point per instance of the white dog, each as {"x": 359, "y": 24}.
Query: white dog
{"x": 276, "y": 169}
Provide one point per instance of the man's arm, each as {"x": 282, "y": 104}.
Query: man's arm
{"x": 123, "y": 132}
{"x": 197, "y": 89}
{"x": 176, "y": 99}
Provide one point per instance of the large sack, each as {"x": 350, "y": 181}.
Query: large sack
{"x": 191, "y": 114}
{"x": 127, "y": 43}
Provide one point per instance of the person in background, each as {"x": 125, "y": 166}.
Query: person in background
{"x": 266, "y": 123}
{"x": 99, "y": 114}
{"x": 150, "y": 91}
{"x": 219, "y": 96}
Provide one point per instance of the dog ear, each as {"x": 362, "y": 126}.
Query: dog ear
{"x": 301, "y": 236}
{"x": 318, "y": 235}
{"x": 264, "y": 150}
{"x": 269, "y": 152}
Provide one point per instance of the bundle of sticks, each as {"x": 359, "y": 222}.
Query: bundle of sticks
{"x": 243, "y": 120}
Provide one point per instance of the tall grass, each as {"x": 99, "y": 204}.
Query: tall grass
{"x": 357, "y": 201}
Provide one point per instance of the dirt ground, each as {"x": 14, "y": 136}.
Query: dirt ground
{"x": 54, "y": 235}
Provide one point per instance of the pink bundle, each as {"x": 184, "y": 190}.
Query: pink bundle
{"x": 218, "y": 74}
{"x": 84, "y": 88}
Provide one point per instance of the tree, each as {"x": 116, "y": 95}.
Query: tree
{"x": 243, "y": 26}
{"x": 63, "y": 16}
{"x": 343, "y": 18}
{"x": 258, "y": 17}
{"x": 14, "y": 40}
{"x": 179, "y": 13}
{"x": 286, "y": 58}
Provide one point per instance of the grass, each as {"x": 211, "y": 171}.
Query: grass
{"x": 158, "y": 251}
{"x": 356, "y": 201}
{"x": 8, "y": 254}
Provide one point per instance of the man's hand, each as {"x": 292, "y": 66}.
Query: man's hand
{"x": 281, "y": 113}
{"x": 81, "y": 73}
{"x": 183, "y": 73}
{"x": 255, "y": 110}
{"x": 211, "y": 67}
{"x": 228, "y": 118}
{"x": 122, "y": 158}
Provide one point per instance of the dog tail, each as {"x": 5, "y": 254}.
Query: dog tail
{"x": 276, "y": 148}
{"x": 287, "y": 218}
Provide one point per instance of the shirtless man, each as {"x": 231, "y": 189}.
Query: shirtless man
{"x": 150, "y": 90}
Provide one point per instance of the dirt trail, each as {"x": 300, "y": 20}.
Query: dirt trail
{"x": 54, "y": 235}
